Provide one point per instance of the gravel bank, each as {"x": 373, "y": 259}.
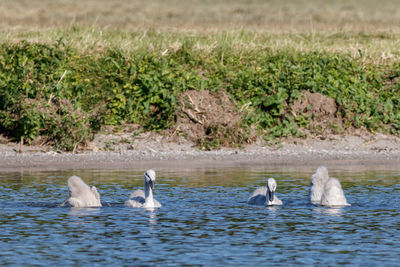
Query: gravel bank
{"x": 346, "y": 152}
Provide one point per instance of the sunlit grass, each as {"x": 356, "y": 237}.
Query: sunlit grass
{"x": 360, "y": 28}
{"x": 372, "y": 47}
{"x": 273, "y": 16}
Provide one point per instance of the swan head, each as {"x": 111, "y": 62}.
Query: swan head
{"x": 271, "y": 186}
{"x": 150, "y": 178}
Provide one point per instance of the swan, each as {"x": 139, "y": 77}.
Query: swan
{"x": 325, "y": 190}
{"x": 333, "y": 194}
{"x": 265, "y": 195}
{"x": 318, "y": 180}
{"x": 81, "y": 195}
{"x": 144, "y": 199}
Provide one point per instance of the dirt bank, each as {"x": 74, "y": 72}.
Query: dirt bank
{"x": 367, "y": 151}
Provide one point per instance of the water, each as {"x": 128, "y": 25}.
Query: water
{"x": 204, "y": 220}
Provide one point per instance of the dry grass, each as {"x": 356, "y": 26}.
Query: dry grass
{"x": 272, "y": 16}
{"x": 366, "y": 28}
{"x": 377, "y": 48}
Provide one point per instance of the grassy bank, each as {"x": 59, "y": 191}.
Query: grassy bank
{"x": 67, "y": 84}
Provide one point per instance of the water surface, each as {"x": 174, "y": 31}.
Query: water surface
{"x": 204, "y": 220}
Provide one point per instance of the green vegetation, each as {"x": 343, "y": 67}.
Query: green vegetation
{"x": 66, "y": 91}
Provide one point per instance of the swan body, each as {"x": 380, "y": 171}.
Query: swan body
{"x": 265, "y": 195}
{"x": 81, "y": 195}
{"x": 333, "y": 194}
{"x": 325, "y": 190}
{"x": 144, "y": 199}
{"x": 318, "y": 180}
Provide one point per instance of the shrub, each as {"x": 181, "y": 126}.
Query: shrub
{"x": 56, "y": 91}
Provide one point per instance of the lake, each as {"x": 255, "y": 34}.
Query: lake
{"x": 204, "y": 220}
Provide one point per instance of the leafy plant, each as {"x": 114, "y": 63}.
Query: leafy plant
{"x": 55, "y": 90}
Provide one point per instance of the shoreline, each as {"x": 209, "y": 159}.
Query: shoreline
{"x": 343, "y": 152}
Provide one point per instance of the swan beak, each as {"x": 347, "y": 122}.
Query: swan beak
{"x": 271, "y": 196}
{"x": 151, "y": 184}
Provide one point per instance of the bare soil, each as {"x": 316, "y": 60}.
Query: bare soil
{"x": 203, "y": 116}
{"x": 322, "y": 109}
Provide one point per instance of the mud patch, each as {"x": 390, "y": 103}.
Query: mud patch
{"x": 210, "y": 120}
{"x": 322, "y": 111}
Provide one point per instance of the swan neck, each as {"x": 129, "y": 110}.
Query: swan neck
{"x": 270, "y": 195}
{"x": 148, "y": 192}
{"x": 149, "y": 200}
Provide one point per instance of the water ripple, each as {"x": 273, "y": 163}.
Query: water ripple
{"x": 204, "y": 220}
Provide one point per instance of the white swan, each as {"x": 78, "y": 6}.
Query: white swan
{"x": 265, "y": 195}
{"x": 144, "y": 199}
{"x": 333, "y": 194}
{"x": 318, "y": 180}
{"x": 81, "y": 195}
{"x": 325, "y": 190}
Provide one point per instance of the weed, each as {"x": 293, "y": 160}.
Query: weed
{"x": 57, "y": 91}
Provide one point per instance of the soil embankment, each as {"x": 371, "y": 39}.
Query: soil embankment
{"x": 152, "y": 150}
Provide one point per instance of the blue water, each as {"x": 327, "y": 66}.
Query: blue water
{"x": 204, "y": 220}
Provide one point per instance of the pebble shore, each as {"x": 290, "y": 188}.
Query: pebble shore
{"x": 377, "y": 152}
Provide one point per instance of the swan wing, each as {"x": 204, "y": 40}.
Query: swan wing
{"x": 136, "y": 199}
{"x": 156, "y": 203}
{"x": 258, "y": 197}
{"x": 135, "y": 202}
{"x": 277, "y": 201}
{"x": 137, "y": 193}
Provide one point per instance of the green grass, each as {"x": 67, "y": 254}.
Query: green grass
{"x": 67, "y": 84}
{"x": 378, "y": 47}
